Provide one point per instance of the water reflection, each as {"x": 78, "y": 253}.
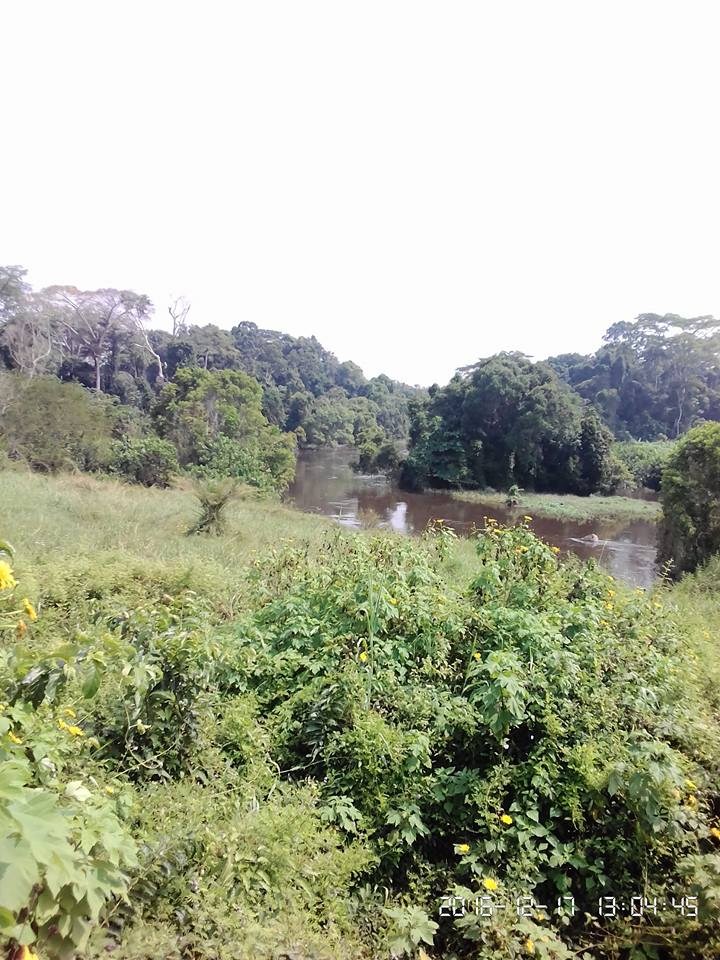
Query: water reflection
{"x": 324, "y": 483}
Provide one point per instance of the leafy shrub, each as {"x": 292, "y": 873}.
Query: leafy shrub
{"x": 146, "y": 460}
{"x": 690, "y": 525}
{"x": 65, "y": 850}
{"x": 269, "y": 466}
{"x": 645, "y": 460}
{"x": 56, "y": 426}
{"x": 527, "y": 733}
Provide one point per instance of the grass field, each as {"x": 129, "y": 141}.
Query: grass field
{"x": 50, "y": 519}
{"x": 568, "y": 507}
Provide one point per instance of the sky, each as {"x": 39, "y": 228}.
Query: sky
{"x": 418, "y": 184}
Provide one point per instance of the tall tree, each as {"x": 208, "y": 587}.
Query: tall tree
{"x": 90, "y": 319}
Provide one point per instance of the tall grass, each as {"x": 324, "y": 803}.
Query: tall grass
{"x": 569, "y": 507}
{"x": 49, "y": 519}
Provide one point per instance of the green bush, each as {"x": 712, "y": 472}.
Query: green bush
{"x": 645, "y": 460}
{"x": 269, "y": 466}
{"x": 690, "y": 525}
{"x": 146, "y": 460}
{"x": 56, "y": 426}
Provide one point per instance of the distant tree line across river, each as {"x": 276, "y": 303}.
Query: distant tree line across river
{"x": 87, "y": 381}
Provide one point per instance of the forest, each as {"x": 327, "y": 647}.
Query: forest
{"x": 239, "y": 401}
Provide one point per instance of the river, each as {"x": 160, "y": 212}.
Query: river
{"x": 325, "y": 484}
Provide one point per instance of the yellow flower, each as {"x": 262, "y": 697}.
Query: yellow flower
{"x": 690, "y": 785}
{"x": 13, "y": 738}
{"x": 528, "y": 519}
{"x": 529, "y": 946}
{"x": 109, "y": 790}
{"x": 69, "y": 712}
{"x": 392, "y": 601}
{"x": 714, "y": 832}
{"x": 69, "y": 728}
{"x": 363, "y": 657}
{"x": 506, "y": 819}
{"x": 478, "y": 656}
{"x": 20, "y": 629}
{"x": 462, "y": 848}
{"x": 27, "y": 954}
{"x": 691, "y": 801}
{"x": 555, "y": 549}
{"x": 7, "y": 580}
{"x": 489, "y": 883}
{"x": 29, "y": 609}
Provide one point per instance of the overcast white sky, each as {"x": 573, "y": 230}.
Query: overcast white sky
{"x": 418, "y": 184}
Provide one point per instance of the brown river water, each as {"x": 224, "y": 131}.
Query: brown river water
{"x": 325, "y": 484}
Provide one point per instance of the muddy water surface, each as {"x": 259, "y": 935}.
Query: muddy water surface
{"x": 325, "y": 484}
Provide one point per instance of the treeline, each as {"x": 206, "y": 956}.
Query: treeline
{"x": 551, "y": 426}
{"x": 508, "y": 421}
{"x": 653, "y": 378}
{"x": 202, "y": 397}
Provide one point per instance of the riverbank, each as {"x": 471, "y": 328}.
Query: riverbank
{"x": 568, "y": 507}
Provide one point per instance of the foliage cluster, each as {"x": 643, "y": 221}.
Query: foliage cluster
{"x": 645, "y": 460}
{"x": 102, "y": 339}
{"x": 690, "y": 527}
{"x": 311, "y": 775}
{"x": 146, "y": 460}
{"x": 508, "y": 421}
{"x": 653, "y": 378}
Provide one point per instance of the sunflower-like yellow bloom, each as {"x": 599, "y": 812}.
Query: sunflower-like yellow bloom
{"x": 506, "y": 819}
{"x": 363, "y": 657}
{"x": 462, "y": 847}
{"x": 71, "y": 729}
{"x": 714, "y": 832}
{"x": 29, "y": 609}
{"x": 490, "y": 884}
{"x": 529, "y": 946}
{"x": 7, "y": 580}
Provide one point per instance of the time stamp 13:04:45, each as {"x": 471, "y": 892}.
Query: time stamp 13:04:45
{"x": 633, "y": 907}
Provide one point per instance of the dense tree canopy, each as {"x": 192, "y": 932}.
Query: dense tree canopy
{"x": 102, "y": 339}
{"x": 653, "y": 378}
{"x": 508, "y": 421}
{"x": 215, "y": 420}
{"x": 500, "y": 421}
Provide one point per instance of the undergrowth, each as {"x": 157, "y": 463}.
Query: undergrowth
{"x": 312, "y": 762}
